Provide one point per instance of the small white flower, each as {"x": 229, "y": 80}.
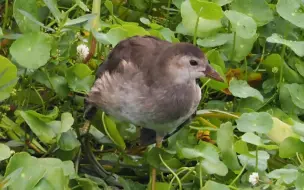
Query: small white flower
{"x": 254, "y": 178}
{"x": 82, "y": 51}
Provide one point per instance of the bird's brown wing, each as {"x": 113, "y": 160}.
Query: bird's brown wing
{"x": 140, "y": 50}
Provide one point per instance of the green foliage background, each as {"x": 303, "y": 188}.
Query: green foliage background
{"x": 252, "y": 122}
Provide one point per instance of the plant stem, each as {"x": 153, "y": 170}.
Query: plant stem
{"x": 195, "y": 30}
{"x": 175, "y": 175}
{"x": 238, "y": 176}
{"x": 5, "y": 14}
{"x": 233, "y": 47}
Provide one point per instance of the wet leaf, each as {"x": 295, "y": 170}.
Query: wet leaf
{"x": 257, "y": 9}
{"x": 296, "y": 46}
{"x": 289, "y": 10}
{"x": 260, "y": 122}
{"x": 243, "y": 25}
{"x": 241, "y": 89}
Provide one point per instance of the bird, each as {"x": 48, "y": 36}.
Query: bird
{"x": 150, "y": 82}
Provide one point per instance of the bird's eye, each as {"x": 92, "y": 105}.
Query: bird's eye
{"x": 193, "y": 62}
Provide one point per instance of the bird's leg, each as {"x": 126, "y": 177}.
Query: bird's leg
{"x": 158, "y": 144}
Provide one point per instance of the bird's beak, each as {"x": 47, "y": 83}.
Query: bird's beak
{"x": 211, "y": 73}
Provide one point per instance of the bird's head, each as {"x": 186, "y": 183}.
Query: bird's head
{"x": 186, "y": 62}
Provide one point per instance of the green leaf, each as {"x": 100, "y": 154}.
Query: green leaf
{"x": 250, "y": 160}
{"x": 214, "y": 167}
{"x": 9, "y": 179}
{"x": 29, "y": 177}
{"x": 86, "y": 183}
{"x": 296, "y": 92}
{"x": 112, "y": 132}
{"x": 241, "y": 89}
{"x": 24, "y": 23}
{"x": 52, "y": 5}
{"x": 257, "y": 9}
{"x": 43, "y": 131}
{"x": 207, "y": 10}
{"x": 274, "y": 62}
{"x": 280, "y": 131}
{"x": 80, "y": 78}
{"x": 32, "y": 50}
{"x": 260, "y": 122}
{"x": 241, "y": 147}
{"x": 237, "y": 48}
{"x": 291, "y": 11}
{"x": 212, "y": 185}
{"x": 205, "y": 26}
{"x": 222, "y": 2}
{"x": 296, "y": 46}
{"x": 290, "y": 146}
{"x": 252, "y": 139}
{"x": 52, "y": 114}
{"x": 243, "y": 25}
{"x": 216, "y": 40}
{"x": 224, "y": 141}
{"x": 287, "y": 175}
{"x": 79, "y": 20}
{"x": 109, "y": 6}
{"x": 8, "y": 78}
{"x": 67, "y": 121}
{"x": 202, "y": 150}
{"x": 5, "y": 152}
{"x": 153, "y": 157}
{"x": 68, "y": 141}
{"x": 82, "y": 5}
{"x": 286, "y": 101}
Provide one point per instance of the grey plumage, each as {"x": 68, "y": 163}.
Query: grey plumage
{"x": 150, "y": 83}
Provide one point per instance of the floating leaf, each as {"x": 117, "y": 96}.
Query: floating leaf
{"x": 260, "y": 122}
{"x": 5, "y": 152}
{"x": 241, "y": 89}
{"x": 207, "y": 10}
{"x": 225, "y": 140}
{"x": 296, "y": 46}
{"x": 243, "y": 25}
{"x": 8, "y": 78}
{"x": 291, "y": 11}
{"x": 212, "y": 185}
{"x": 24, "y": 23}
{"x": 257, "y": 9}
{"x": 287, "y": 175}
{"x": 32, "y": 50}
{"x": 213, "y": 41}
